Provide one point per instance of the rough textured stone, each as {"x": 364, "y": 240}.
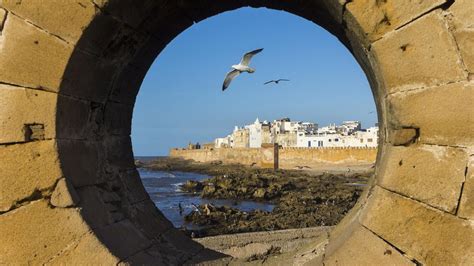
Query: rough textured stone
{"x": 466, "y": 205}
{"x": 115, "y": 235}
{"x": 32, "y": 176}
{"x": 86, "y": 250}
{"x": 64, "y": 194}
{"x": 31, "y": 107}
{"x": 403, "y": 136}
{"x": 417, "y": 50}
{"x": 36, "y": 233}
{"x": 31, "y": 57}
{"x": 81, "y": 161}
{"x": 118, "y": 119}
{"x": 77, "y": 13}
{"x": 424, "y": 234}
{"x": 375, "y": 17}
{"x": 444, "y": 115}
{"x": 376, "y": 251}
{"x": 431, "y": 174}
{"x": 411, "y": 58}
{"x": 465, "y": 41}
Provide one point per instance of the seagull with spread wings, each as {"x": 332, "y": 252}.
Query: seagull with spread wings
{"x": 243, "y": 66}
{"x": 275, "y": 81}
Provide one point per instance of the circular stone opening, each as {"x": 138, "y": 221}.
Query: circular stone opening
{"x": 68, "y": 84}
{"x": 323, "y": 167}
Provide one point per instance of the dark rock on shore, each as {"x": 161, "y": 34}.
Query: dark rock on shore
{"x": 302, "y": 199}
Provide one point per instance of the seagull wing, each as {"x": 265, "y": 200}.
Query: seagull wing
{"x": 248, "y": 56}
{"x": 283, "y": 80}
{"x": 229, "y": 77}
{"x": 268, "y": 82}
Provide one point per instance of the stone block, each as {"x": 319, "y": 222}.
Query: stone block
{"x": 87, "y": 250}
{"x": 150, "y": 221}
{"x": 133, "y": 185}
{"x": 29, "y": 171}
{"x": 127, "y": 84}
{"x": 35, "y": 233}
{"x": 81, "y": 161}
{"x": 411, "y": 58}
{"x": 73, "y": 118}
{"x": 402, "y": 136}
{"x": 443, "y": 115}
{"x": 118, "y": 152}
{"x": 31, "y": 57}
{"x": 122, "y": 239}
{"x": 95, "y": 211}
{"x": 375, "y": 18}
{"x": 20, "y": 107}
{"x": 428, "y": 173}
{"x": 3, "y": 16}
{"x": 64, "y": 194}
{"x": 463, "y": 14}
{"x": 68, "y": 24}
{"x": 128, "y": 11}
{"x": 88, "y": 77}
{"x": 118, "y": 119}
{"x": 465, "y": 41}
{"x": 365, "y": 248}
{"x": 466, "y": 205}
{"x": 429, "y": 236}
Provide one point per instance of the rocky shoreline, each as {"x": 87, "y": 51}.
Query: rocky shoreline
{"x": 302, "y": 199}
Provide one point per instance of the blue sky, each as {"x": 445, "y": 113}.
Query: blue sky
{"x": 181, "y": 100}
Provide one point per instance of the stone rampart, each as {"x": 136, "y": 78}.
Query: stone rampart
{"x": 288, "y": 157}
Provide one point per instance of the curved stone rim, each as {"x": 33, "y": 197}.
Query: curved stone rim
{"x": 74, "y": 75}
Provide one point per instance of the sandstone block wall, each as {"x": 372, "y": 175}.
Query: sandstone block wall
{"x": 69, "y": 74}
{"x": 287, "y": 157}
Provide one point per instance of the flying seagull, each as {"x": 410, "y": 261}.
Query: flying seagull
{"x": 275, "y": 81}
{"x": 243, "y": 66}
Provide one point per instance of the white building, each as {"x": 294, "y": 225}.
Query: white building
{"x": 256, "y": 133}
{"x": 361, "y": 138}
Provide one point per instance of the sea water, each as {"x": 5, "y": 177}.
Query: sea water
{"x": 164, "y": 189}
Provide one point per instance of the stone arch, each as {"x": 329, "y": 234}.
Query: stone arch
{"x": 69, "y": 74}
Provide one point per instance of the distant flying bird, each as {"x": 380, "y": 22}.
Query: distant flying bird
{"x": 243, "y": 66}
{"x": 371, "y": 112}
{"x": 275, "y": 81}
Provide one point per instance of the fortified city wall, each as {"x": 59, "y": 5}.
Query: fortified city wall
{"x": 287, "y": 157}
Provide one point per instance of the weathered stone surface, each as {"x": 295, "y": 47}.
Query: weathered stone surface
{"x": 463, "y": 14}
{"x": 81, "y": 161}
{"x": 376, "y": 251}
{"x": 402, "y": 136}
{"x": 444, "y": 115}
{"x": 31, "y": 107}
{"x": 375, "y": 18}
{"x": 77, "y": 13}
{"x": 118, "y": 119}
{"x": 150, "y": 221}
{"x": 466, "y": 205}
{"x": 428, "y": 173}
{"x": 465, "y": 41}
{"x": 122, "y": 238}
{"x": 425, "y": 234}
{"x": 36, "y": 233}
{"x": 31, "y": 57}
{"x": 87, "y": 250}
{"x": 127, "y": 10}
{"x": 31, "y": 176}
{"x": 73, "y": 118}
{"x": 125, "y": 87}
{"x": 64, "y": 194}
{"x": 88, "y": 77}
{"x": 95, "y": 211}
{"x": 411, "y": 58}
{"x": 118, "y": 151}
{"x": 3, "y": 16}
